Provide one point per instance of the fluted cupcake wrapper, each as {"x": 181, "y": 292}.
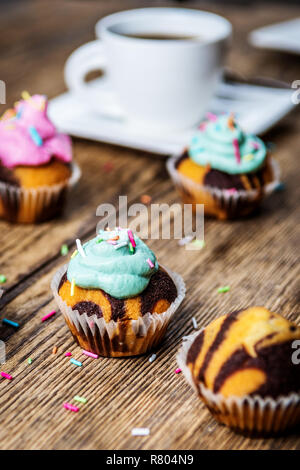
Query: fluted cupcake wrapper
{"x": 251, "y": 415}
{"x": 121, "y": 338}
{"x": 224, "y": 203}
{"x": 37, "y": 204}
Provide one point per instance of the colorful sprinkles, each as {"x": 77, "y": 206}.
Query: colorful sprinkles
{"x": 150, "y": 263}
{"x": 49, "y": 315}
{"x": 75, "y": 362}
{"x": 64, "y": 250}
{"x": 236, "y": 148}
{"x": 178, "y": 370}
{"x": 195, "y": 324}
{"x": 80, "y": 399}
{"x": 140, "y": 432}
{"x": 5, "y": 375}
{"x": 3, "y": 279}
{"x": 80, "y": 248}
{"x": 90, "y": 354}
{"x": 152, "y": 358}
{"x": 69, "y": 406}
{"x": 10, "y": 322}
{"x": 72, "y": 287}
{"x": 35, "y": 136}
{"x": 224, "y": 289}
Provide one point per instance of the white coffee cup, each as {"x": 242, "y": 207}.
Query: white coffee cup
{"x": 154, "y": 84}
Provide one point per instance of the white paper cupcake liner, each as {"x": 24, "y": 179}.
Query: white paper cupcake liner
{"x": 38, "y": 204}
{"x": 248, "y": 414}
{"x": 224, "y": 203}
{"x": 111, "y": 339}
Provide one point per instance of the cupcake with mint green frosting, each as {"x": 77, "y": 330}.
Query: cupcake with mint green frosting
{"x": 224, "y": 168}
{"x": 115, "y": 297}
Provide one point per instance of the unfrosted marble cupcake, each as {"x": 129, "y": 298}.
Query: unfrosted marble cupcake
{"x": 242, "y": 367}
{"x": 36, "y": 168}
{"x": 115, "y": 297}
{"x": 227, "y": 170}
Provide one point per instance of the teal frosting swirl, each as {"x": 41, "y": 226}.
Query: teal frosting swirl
{"x": 213, "y": 144}
{"x": 118, "y": 272}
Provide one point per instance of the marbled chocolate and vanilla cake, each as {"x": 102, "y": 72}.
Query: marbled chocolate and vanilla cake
{"x": 119, "y": 296}
{"x": 240, "y": 362}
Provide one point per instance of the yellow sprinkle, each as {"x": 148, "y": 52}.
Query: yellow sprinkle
{"x": 72, "y": 287}
{"x": 248, "y": 157}
{"x": 25, "y": 95}
{"x": 74, "y": 254}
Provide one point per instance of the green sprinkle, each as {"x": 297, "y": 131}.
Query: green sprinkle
{"x": 198, "y": 243}
{"x": 64, "y": 250}
{"x": 221, "y": 290}
{"x": 2, "y": 279}
{"x": 81, "y": 399}
{"x": 131, "y": 247}
{"x": 100, "y": 240}
{"x": 29, "y": 360}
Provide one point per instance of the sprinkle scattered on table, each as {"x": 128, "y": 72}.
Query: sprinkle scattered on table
{"x": 90, "y": 354}
{"x": 146, "y": 199}
{"x": 198, "y": 244}
{"x": 195, "y": 324}
{"x": 10, "y": 322}
{"x": 178, "y": 370}
{"x": 80, "y": 399}
{"x": 186, "y": 240}
{"x": 68, "y": 354}
{"x": 140, "y": 432}
{"x": 221, "y": 290}
{"x": 54, "y": 350}
{"x": 5, "y": 375}
{"x": 152, "y": 358}
{"x": 76, "y": 363}
{"x": 64, "y": 250}
{"x": 3, "y": 279}
{"x": 49, "y": 315}
{"x": 29, "y": 360}
{"x": 69, "y": 406}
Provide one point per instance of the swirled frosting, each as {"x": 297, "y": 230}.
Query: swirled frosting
{"x": 222, "y": 144}
{"x": 28, "y": 137}
{"x": 110, "y": 262}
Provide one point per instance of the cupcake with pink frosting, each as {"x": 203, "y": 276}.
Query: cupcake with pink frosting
{"x": 36, "y": 168}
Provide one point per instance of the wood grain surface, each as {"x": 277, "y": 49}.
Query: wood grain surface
{"x": 258, "y": 257}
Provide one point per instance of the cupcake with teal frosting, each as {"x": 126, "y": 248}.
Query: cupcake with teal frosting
{"x": 115, "y": 297}
{"x": 224, "y": 168}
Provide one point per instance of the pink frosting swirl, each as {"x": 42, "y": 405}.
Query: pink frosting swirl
{"x": 28, "y": 137}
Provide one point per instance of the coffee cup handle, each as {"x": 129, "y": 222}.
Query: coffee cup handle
{"x": 85, "y": 59}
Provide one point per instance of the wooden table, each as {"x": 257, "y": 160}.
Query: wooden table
{"x": 257, "y": 257}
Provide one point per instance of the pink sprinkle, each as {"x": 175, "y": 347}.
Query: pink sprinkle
{"x": 90, "y": 354}
{"x": 92, "y": 324}
{"x": 49, "y": 315}
{"x": 150, "y": 263}
{"x": 255, "y": 145}
{"x": 68, "y": 354}
{"x": 211, "y": 116}
{"x": 112, "y": 242}
{"x": 231, "y": 190}
{"x": 70, "y": 407}
{"x": 236, "y": 147}
{"x": 202, "y": 126}
{"x": 6, "y": 376}
{"x": 130, "y": 236}
{"x": 177, "y": 371}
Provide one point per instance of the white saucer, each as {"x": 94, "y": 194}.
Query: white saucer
{"x": 283, "y": 36}
{"x": 257, "y": 109}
